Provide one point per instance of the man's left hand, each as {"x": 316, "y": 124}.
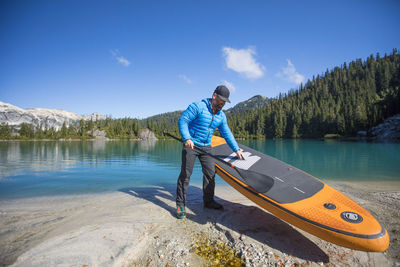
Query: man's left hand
{"x": 239, "y": 154}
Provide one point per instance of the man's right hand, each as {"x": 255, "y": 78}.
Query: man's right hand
{"x": 239, "y": 154}
{"x": 189, "y": 143}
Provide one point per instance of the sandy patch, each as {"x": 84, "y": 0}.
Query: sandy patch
{"x": 137, "y": 227}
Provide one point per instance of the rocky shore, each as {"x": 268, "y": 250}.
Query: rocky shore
{"x": 137, "y": 227}
{"x": 387, "y": 131}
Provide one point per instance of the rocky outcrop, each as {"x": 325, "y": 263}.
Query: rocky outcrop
{"x": 99, "y": 135}
{"x": 15, "y": 116}
{"x": 146, "y": 134}
{"x": 389, "y": 130}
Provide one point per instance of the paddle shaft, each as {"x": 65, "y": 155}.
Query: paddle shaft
{"x": 260, "y": 182}
{"x": 202, "y": 151}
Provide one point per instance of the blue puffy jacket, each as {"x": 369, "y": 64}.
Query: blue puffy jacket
{"x": 198, "y": 123}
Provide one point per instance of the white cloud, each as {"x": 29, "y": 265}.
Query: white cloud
{"x": 243, "y": 62}
{"x": 185, "y": 78}
{"x": 230, "y": 86}
{"x": 289, "y": 73}
{"x": 123, "y": 61}
{"x": 120, "y": 59}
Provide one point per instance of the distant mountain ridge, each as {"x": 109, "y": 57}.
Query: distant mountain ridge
{"x": 257, "y": 101}
{"x": 15, "y": 116}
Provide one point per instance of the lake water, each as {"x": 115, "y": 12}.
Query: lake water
{"x": 46, "y": 168}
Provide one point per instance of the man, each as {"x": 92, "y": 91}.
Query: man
{"x": 196, "y": 126}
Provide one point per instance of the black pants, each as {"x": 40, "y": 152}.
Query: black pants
{"x": 207, "y": 163}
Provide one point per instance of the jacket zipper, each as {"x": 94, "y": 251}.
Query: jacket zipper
{"x": 210, "y": 126}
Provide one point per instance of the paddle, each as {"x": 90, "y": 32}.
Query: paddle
{"x": 260, "y": 182}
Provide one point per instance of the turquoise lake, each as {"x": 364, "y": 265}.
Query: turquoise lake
{"x": 47, "y": 168}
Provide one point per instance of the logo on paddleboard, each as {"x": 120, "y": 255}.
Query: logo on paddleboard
{"x": 351, "y": 217}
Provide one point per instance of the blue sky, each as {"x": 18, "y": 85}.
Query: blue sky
{"x": 141, "y": 58}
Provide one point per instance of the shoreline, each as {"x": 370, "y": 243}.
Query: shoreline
{"x": 337, "y": 139}
{"x": 72, "y": 139}
{"x": 137, "y": 226}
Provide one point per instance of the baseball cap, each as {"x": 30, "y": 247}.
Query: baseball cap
{"x": 223, "y": 93}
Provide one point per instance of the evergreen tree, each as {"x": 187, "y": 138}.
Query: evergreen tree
{"x": 5, "y": 131}
{"x": 64, "y": 131}
{"x": 26, "y": 131}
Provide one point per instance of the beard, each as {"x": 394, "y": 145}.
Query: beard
{"x": 217, "y": 107}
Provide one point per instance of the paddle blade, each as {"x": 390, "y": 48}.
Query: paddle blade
{"x": 260, "y": 182}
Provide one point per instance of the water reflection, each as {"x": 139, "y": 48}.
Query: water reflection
{"x": 53, "y": 167}
{"x": 36, "y": 156}
{"x": 55, "y": 156}
{"x": 330, "y": 160}
{"x": 147, "y": 145}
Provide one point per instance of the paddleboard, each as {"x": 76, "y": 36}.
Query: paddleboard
{"x": 301, "y": 199}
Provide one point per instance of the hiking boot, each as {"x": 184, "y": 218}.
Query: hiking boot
{"x": 213, "y": 205}
{"x": 180, "y": 211}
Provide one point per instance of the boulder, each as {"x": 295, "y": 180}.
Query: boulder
{"x": 389, "y": 130}
{"x": 146, "y": 134}
{"x": 362, "y": 135}
{"x": 99, "y": 134}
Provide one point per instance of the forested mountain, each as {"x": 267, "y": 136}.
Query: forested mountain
{"x": 347, "y": 99}
{"x": 169, "y": 121}
{"x": 355, "y": 96}
{"x": 159, "y": 123}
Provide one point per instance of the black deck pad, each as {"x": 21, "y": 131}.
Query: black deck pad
{"x": 289, "y": 184}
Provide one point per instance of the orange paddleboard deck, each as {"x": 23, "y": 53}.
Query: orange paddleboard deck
{"x": 301, "y": 199}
